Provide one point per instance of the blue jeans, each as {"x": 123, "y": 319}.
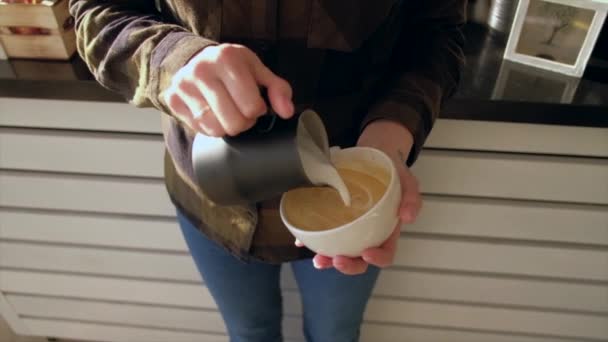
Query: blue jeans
{"x": 248, "y": 295}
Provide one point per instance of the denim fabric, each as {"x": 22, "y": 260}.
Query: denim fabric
{"x": 248, "y": 295}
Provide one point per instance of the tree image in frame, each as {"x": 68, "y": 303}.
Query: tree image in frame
{"x": 554, "y": 31}
{"x": 561, "y": 18}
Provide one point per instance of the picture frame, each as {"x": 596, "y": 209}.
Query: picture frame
{"x": 556, "y": 35}
{"x": 3, "y": 55}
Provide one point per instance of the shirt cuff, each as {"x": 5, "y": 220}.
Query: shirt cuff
{"x": 168, "y": 57}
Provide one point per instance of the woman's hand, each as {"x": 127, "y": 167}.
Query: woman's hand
{"x": 217, "y": 92}
{"x": 396, "y": 141}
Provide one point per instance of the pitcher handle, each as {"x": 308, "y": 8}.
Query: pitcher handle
{"x": 266, "y": 122}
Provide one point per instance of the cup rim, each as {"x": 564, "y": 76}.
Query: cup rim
{"x": 393, "y": 175}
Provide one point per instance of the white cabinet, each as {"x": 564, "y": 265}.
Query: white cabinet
{"x": 512, "y": 244}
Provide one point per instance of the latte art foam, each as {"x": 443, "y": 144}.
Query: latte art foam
{"x": 321, "y": 208}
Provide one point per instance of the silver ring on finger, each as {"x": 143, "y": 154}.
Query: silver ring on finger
{"x": 199, "y": 114}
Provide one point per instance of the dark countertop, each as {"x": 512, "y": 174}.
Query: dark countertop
{"x": 491, "y": 89}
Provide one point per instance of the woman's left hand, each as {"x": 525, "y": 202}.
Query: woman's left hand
{"x": 396, "y": 141}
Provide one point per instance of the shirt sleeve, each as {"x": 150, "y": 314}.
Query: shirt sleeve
{"x": 426, "y": 67}
{"x": 130, "y": 49}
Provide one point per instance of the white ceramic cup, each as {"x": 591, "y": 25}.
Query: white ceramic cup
{"x": 373, "y": 227}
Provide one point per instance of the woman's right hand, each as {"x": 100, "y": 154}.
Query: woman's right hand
{"x": 217, "y": 92}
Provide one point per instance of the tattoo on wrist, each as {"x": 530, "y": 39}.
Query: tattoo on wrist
{"x": 402, "y": 156}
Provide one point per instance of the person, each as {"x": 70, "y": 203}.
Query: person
{"x": 376, "y": 71}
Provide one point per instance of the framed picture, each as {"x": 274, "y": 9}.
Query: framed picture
{"x": 515, "y": 81}
{"x": 2, "y": 53}
{"x": 556, "y": 35}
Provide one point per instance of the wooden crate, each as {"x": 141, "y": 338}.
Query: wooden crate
{"x": 43, "y": 30}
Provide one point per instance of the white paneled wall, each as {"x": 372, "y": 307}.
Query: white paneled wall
{"x": 512, "y": 245}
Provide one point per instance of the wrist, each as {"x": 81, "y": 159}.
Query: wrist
{"x": 389, "y": 136}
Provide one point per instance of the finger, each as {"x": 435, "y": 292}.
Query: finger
{"x": 279, "y": 95}
{"x": 223, "y": 106}
{"x": 245, "y": 92}
{"x": 178, "y": 107}
{"x": 279, "y": 91}
{"x": 416, "y": 207}
{"x": 408, "y": 211}
{"x": 181, "y": 111}
{"x": 378, "y": 257}
{"x": 350, "y": 266}
{"x": 193, "y": 98}
{"x": 383, "y": 255}
{"x": 411, "y": 201}
{"x": 298, "y": 243}
{"x": 210, "y": 125}
{"x": 322, "y": 262}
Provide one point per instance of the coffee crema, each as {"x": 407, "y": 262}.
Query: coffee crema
{"x": 321, "y": 208}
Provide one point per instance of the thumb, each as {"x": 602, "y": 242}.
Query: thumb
{"x": 279, "y": 91}
{"x": 411, "y": 200}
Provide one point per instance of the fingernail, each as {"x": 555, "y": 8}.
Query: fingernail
{"x": 316, "y": 264}
{"x": 288, "y": 104}
{"x": 366, "y": 258}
